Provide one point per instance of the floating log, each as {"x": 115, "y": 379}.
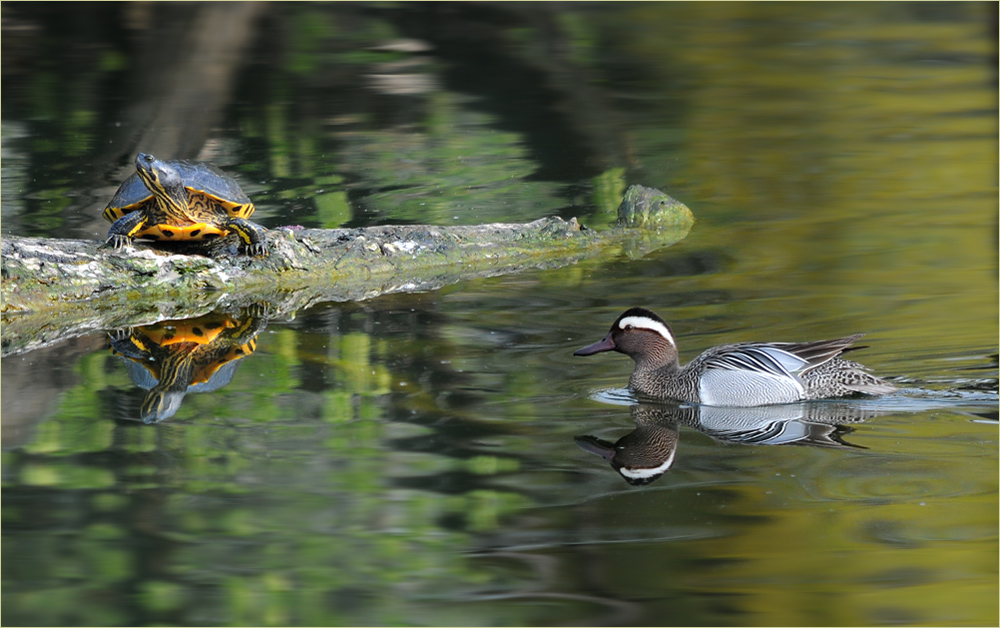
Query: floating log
{"x": 55, "y": 289}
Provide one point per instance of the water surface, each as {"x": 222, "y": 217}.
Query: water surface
{"x": 415, "y": 459}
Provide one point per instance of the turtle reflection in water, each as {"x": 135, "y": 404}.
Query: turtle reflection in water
{"x": 646, "y": 453}
{"x": 172, "y": 358}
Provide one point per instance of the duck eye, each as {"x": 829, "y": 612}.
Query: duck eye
{"x": 628, "y": 328}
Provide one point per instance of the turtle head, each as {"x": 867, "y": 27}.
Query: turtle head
{"x": 164, "y": 182}
{"x": 160, "y": 404}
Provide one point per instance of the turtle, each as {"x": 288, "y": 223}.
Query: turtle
{"x": 172, "y": 358}
{"x": 181, "y": 200}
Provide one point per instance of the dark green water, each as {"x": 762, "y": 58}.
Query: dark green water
{"x": 411, "y": 459}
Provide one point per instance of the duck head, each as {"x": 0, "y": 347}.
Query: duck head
{"x": 641, "y": 335}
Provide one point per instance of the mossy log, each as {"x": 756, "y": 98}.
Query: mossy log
{"x": 56, "y": 289}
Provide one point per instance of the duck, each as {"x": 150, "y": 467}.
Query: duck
{"x": 744, "y": 374}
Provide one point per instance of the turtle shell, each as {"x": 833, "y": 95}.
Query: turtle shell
{"x": 201, "y": 330}
{"x": 199, "y": 178}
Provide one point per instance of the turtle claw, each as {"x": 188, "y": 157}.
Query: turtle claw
{"x": 117, "y": 243}
{"x": 257, "y": 249}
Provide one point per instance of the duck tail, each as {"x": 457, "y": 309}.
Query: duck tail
{"x": 864, "y": 382}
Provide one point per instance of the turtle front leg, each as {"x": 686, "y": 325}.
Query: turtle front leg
{"x": 252, "y": 235}
{"x": 129, "y": 343}
{"x": 123, "y": 230}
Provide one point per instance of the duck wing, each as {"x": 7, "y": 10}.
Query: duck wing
{"x": 778, "y": 359}
{"x": 819, "y": 351}
{"x": 761, "y": 359}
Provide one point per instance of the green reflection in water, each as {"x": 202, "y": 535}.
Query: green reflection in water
{"x": 422, "y": 470}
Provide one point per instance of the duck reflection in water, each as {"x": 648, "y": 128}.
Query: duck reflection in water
{"x": 646, "y": 453}
{"x": 172, "y": 358}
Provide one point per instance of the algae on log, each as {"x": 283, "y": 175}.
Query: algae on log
{"x": 56, "y": 289}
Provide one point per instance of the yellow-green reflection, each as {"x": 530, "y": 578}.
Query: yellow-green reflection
{"x": 373, "y": 466}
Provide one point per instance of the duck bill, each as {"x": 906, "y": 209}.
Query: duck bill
{"x": 604, "y": 345}
{"x": 597, "y": 446}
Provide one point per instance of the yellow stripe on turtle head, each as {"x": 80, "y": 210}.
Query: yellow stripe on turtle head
{"x": 165, "y": 183}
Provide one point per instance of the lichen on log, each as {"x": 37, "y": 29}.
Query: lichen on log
{"x": 54, "y": 289}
